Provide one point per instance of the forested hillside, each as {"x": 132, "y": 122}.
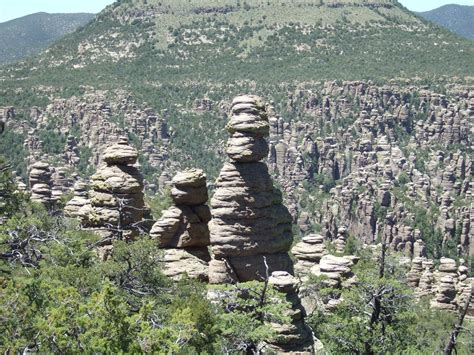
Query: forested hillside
{"x": 456, "y": 18}
{"x": 336, "y": 202}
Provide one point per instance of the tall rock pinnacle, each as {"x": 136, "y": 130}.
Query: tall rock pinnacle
{"x": 251, "y": 228}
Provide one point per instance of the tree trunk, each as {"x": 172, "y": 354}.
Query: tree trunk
{"x": 457, "y": 328}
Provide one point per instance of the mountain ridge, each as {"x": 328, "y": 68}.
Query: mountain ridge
{"x": 456, "y": 18}
{"x": 169, "y": 54}
{"x": 28, "y": 35}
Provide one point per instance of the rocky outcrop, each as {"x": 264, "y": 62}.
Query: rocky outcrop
{"x": 308, "y": 253}
{"x": 71, "y": 151}
{"x": 336, "y": 270}
{"x": 61, "y": 184}
{"x": 183, "y": 231}
{"x": 465, "y": 289}
{"x": 79, "y": 200}
{"x": 295, "y": 337}
{"x": 40, "y": 183}
{"x": 340, "y": 242}
{"x": 416, "y": 271}
{"x": 116, "y": 207}
{"x": 447, "y": 278}
{"x": 251, "y": 228}
{"x": 362, "y": 135}
{"x": 427, "y": 280}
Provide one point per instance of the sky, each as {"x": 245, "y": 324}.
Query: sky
{"x": 426, "y": 5}
{"x": 10, "y": 9}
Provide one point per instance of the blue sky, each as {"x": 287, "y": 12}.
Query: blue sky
{"x": 10, "y": 9}
{"x": 425, "y": 5}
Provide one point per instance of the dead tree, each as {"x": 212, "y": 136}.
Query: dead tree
{"x": 457, "y": 328}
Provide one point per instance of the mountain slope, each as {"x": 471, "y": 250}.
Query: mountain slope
{"x": 372, "y": 106}
{"x": 169, "y": 54}
{"x": 299, "y": 40}
{"x": 456, "y": 18}
{"x": 30, "y": 34}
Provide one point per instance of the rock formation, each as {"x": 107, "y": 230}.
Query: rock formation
{"x": 116, "y": 207}
{"x": 308, "y": 253}
{"x": 251, "y": 228}
{"x": 426, "y": 282}
{"x": 251, "y": 231}
{"x": 183, "y": 231}
{"x": 79, "y": 200}
{"x": 40, "y": 183}
{"x": 295, "y": 337}
{"x": 416, "y": 271}
{"x": 60, "y": 184}
{"x": 71, "y": 151}
{"x": 340, "y": 242}
{"x": 447, "y": 278}
{"x": 337, "y": 270}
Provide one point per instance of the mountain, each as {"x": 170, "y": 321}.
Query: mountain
{"x": 456, "y": 18}
{"x": 365, "y": 96}
{"x": 171, "y": 41}
{"x": 169, "y": 53}
{"x": 25, "y": 36}
{"x": 370, "y": 121}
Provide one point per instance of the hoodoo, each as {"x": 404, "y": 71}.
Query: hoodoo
{"x": 251, "y": 228}
{"x": 40, "y": 183}
{"x": 116, "y": 206}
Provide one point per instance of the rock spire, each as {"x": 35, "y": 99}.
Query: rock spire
{"x": 251, "y": 228}
{"x": 40, "y": 182}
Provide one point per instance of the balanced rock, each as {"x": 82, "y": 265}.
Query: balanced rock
{"x": 249, "y": 220}
{"x": 120, "y": 153}
{"x": 183, "y": 230}
{"x": 189, "y": 188}
{"x": 116, "y": 207}
{"x": 337, "y": 270}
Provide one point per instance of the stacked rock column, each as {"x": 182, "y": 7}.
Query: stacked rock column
{"x": 79, "y": 200}
{"x": 251, "y": 228}
{"x": 447, "y": 278}
{"x": 116, "y": 203}
{"x": 308, "y": 253}
{"x": 183, "y": 230}
{"x": 40, "y": 183}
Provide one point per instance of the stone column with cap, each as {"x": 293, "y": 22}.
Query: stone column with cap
{"x": 251, "y": 228}
{"x": 40, "y": 183}
{"x": 116, "y": 207}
